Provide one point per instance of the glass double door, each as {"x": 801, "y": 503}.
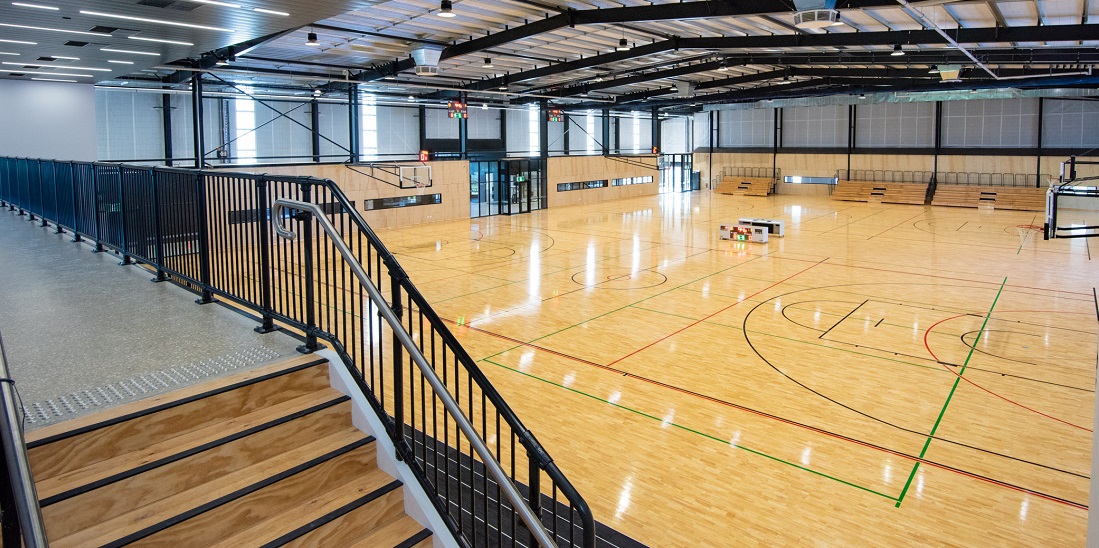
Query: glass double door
{"x": 675, "y": 173}
{"x": 506, "y": 187}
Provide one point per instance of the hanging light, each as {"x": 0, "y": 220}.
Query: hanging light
{"x": 221, "y": 62}
{"x": 446, "y": 8}
{"x": 862, "y": 96}
{"x": 897, "y": 51}
{"x": 317, "y": 92}
{"x": 311, "y": 39}
{"x": 484, "y": 106}
{"x": 724, "y": 66}
{"x": 934, "y": 70}
{"x": 622, "y": 45}
{"x": 488, "y": 63}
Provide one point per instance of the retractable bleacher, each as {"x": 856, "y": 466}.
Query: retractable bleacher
{"x": 882, "y": 186}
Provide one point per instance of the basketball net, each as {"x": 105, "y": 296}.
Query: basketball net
{"x": 1026, "y": 232}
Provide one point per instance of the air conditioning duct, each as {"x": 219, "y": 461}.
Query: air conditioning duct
{"x": 816, "y": 19}
{"x": 685, "y": 89}
{"x": 427, "y": 57}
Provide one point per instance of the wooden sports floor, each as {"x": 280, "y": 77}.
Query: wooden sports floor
{"x": 883, "y": 375}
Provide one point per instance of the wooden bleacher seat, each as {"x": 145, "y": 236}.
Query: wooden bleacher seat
{"x": 745, "y": 186}
{"x": 1016, "y": 198}
{"x": 889, "y": 193}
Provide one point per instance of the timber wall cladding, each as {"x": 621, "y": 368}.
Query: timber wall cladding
{"x": 450, "y": 179}
{"x": 574, "y": 169}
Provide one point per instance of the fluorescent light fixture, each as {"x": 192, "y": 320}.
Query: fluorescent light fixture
{"x": 64, "y": 57}
{"x": 7, "y": 53}
{"x": 897, "y": 51}
{"x": 446, "y": 8}
{"x": 120, "y": 62}
{"x": 54, "y": 66}
{"x": 113, "y": 50}
{"x": 272, "y": 12}
{"x": 48, "y": 29}
{"x": 19, "y": 42}
{"x": 52, "y": 73}
{"x": 36, "y": 6}
{"x": 156, "y": 21}
{"x": 160, "y": 40}
{"x": 53, "y": 80}
{"x": 216, "y": 3}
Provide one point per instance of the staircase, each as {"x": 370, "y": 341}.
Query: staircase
{"x": 268, "y": 457}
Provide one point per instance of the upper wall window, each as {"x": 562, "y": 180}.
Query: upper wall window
{"x": 895, "y": 125}
{"x": 1070, "y": 123}
{"x": 991, "y": 123}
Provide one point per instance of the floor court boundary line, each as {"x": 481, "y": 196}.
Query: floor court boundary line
{"x": 949, "y": 396}
{"x": 919, "y": 460}
{"x": 682, "y": 329}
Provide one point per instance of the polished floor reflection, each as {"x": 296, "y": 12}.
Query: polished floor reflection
{"x": 882, "y": 375}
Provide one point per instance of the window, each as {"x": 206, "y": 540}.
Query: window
{"x": 583, "y": 185}
{"x": 636, "y": 131}
{"x": 369, "y": 116}
{"x": 589, "y": 125}
{"x": 245, "y": 121}
{"x": 632, "y": 181}
{"x": 532, "y": 129}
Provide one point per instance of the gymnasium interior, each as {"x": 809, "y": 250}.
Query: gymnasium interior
{"x": 470, "y": 273}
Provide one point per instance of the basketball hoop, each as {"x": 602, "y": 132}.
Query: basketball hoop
{"x": 1026, "y": 231}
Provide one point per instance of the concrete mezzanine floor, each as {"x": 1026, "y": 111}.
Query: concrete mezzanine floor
{"x": 83, "y": 333}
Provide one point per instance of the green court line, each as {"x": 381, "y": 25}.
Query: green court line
{"x": 693, "y": 431}
{"x": 772, "y": 335}
{"x": 625, "y": 306}
{"x": 949, "y": 396}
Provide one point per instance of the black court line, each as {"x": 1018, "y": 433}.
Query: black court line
{"x": 843, "y": 318}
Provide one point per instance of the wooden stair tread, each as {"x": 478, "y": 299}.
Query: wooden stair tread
{"x": 345, "y": 529}
{"x": 214, "y": 465}
{"x": 350, "y": 475}
{"x": 274, "y": 530}
{"x": 157, "y": 512}
{"x": 390, "y": 534}
{"x": 38, "y": 434}
{"x": 124, "y": 462}
{"x": 109, "y": 442}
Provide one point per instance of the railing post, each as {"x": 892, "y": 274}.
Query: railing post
{"x": 41, "y": 199}
{"x": 310, "y": 292}
{"x": 534, "y": 479}
{"x": 203, "y": 241}
{"x": 95, "y": 205}
{"x": 122, "y": 217}
{"x": 9, "y": 520}
{"x": 158, "y": 240}
{"x": 266, "y": 291}
{"x": 56, "y": 203}
{"x": 76, "y": 231}
{"x": 396, "y": 276}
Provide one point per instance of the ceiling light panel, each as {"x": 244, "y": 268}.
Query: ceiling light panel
{"x": 19, "y": 42}
{"x": 271, "y": 12}
{"x": 50, "y": 29}
{"x": 160, "y": 40}
{"x": 155, "y": 21}
{"x": 67, "y": 67}
{"x": 35, "y": 6}
{"x": 54, "y": 80}
{"x": 53, "y": 73}
{"x": 130, "y": 51}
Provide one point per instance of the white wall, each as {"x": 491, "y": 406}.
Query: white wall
{"x": 47, "y": 120}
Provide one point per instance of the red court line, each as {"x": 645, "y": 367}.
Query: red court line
{"x": 956, "y": 374}
{"x": 965, "y": 280}
{"x": 688, "y": 326}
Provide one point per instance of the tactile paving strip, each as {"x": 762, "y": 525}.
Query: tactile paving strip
{"x": 142, "y": 386}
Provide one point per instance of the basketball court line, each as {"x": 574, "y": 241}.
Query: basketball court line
{"x": 949, "y": 396}
{"x": 921, "y": 213}
{"x": 819, "y": 430}
{"x": 918, "y": 460}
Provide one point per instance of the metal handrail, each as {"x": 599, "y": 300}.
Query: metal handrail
{"x": 533, "y": 523}
{"x": 18, "y": 466}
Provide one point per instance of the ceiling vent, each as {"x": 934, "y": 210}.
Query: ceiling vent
{"x": 427, "y": 59}
{"x": 685, "y": 89}
{"x": 816, "y": 19}
{"x": 102, "y": 29}
{"x": 76, "y": 44}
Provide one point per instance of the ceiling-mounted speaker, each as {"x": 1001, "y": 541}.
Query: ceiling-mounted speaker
{"x": 816, "y": 19}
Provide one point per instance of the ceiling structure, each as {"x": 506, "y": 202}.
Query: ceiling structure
{"x": 675, "y": 55}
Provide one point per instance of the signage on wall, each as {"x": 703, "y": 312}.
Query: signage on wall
{"x": 424, "y": 155}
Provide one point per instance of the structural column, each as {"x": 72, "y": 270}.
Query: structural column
{"x": 196, "y": 124}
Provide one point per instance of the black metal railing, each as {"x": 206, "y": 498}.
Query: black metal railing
{"x": 20, "y": 515}
{"x": 212, "y": 231}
